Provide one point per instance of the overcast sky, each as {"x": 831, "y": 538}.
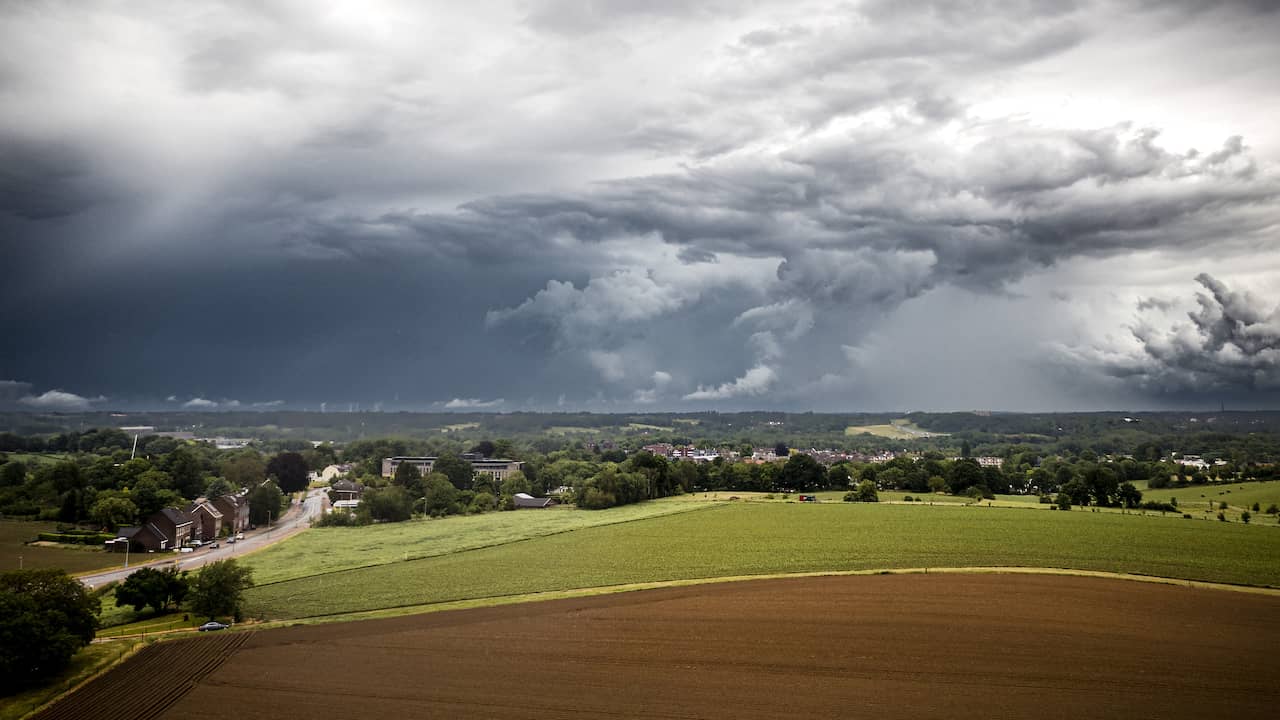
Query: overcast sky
{"x": 619, "y": 205}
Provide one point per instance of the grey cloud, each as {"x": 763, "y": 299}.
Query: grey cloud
{"x": 60, "y": 401}
{"x": 472, "y": 404}
{"x": 45, "y": 179}
{"x": 1231, "y": 345}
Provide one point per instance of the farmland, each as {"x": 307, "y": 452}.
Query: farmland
{"x": 875, "y": 646}
{"x": 323, "y": 550}
{"x": 896, "y": 430}
{"x": 737, "y": 539}
{"x": 1238, "y": 495}
{"x": 13, "y": 533}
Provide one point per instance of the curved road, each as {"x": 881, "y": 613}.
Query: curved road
{"x": 297, "y": 519}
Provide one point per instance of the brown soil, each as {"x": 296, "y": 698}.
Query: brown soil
{"x": 909, "y": 646}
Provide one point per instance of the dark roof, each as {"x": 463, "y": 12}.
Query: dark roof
{"x": 127, "y": 532}
{"x": 348, "y": 486}
{"x": 175, "y": 516}
{"x": 208, "y": 506}
{"x": 529, "y": 501}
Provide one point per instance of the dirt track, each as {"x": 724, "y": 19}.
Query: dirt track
{"x": 877, "y": 647}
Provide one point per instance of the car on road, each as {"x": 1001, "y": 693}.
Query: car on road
{"x": 231, "y": 539}
{"x": 213, "y": 546}
{"x": 239, "y": 536}
{"x": 213, "y": 625}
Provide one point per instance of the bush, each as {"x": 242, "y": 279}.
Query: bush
{"x": 596, "y": 499}
{"x": 1273, "y": 509}
{"x": 1162, "y": 507}
{"x": 1256, "y": 507}
{"x": 907, "y": 498}
{"x": 1245, "y": 517}
{"x": 1222, "y": 517}
{"x": 341, "y": 519}
{"x": 45, "y": 617}
{"x": 78, "y": 538}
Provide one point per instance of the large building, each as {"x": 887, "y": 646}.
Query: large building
{"x": 497, "y": 468}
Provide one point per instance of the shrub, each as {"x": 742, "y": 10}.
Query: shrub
{"x": 1245, "y": 517}
{"x": 1256, "y": 507}
{"x": 908, "y": 498}
{"x": 1222, "y": 517}
{"x": 1186, "y": 516}
{"x": 1273, "y": 509}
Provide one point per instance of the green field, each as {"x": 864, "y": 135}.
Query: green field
{"x": 1239, "y": 496}
{"x": 897, "y": 430}
{"x": 13, "y": 533}
{"x": 322, "y": 550}
{"x": 747, "y": 538}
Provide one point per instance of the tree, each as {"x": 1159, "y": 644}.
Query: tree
{"x": 458, "y": 471}
{"x": 965, "y": 450}
{"x": 1129, "y": 496}
{"x": 112, "y": 512}
{"x": 410, "y": 478}
{"x": 440, "y": 496}
{"x": 1063, "y": 501}
{"x": 188, "y": 477}
{"x": 391, "y": 504}
{"x": 865, "y": 491}
{"x": 290, "y": 471}
{"x": 45, "y": 617}
{"x": 265, "y": 502}
{"x": 245, "y": 470}
{"x": 1245, "y": 517}
{"x": 218, "y": 487}
{"x": 484, "y": 448}
{"x": 12, "y": 474}
{"x": 155, "y": 588}
{"x": 802, "y": 472}
{"x": 516, "y": 482}
{"x": 219, "y": 588}
{"x": 781, "y": 450}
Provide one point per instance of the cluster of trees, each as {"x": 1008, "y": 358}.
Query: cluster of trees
{"x": 111, "y": 490}
{"x": 46, "y": 616}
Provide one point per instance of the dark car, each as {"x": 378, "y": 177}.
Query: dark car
{"x": 213, "y": 625}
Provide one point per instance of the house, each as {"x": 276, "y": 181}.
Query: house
{"x": 496, "y": 468}
{"x": 208, "y": 520}
{"x": 174, "y": 526}
{"x": 525, "y": 500}
{"x": 168, "y": 529}
{"x": 345, "y": 490}
{"x": 139, "y": 538}
{"x": 235, "y": 512}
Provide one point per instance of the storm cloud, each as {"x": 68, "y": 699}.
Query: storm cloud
{"x": 615, "y": 204}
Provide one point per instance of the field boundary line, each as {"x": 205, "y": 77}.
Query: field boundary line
{"x": 514, "y": 599}
{"x": 709, "y": 505}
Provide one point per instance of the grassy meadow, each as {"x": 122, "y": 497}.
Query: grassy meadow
{"x": 13, "y": 533}
{"x": 746, "y": 538}
{"x": 323, "y": 550}
{"x": 1238, "y": 496}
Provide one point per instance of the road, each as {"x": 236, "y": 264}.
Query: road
{"x": 294, "y": 521}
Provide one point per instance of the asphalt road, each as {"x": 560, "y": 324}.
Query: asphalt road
{"x": 294, "y": 521}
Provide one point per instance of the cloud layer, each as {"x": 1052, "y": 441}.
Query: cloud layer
{"x": 614, "y": 204}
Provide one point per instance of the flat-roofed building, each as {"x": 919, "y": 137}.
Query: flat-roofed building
{"x": 499, "y": 469}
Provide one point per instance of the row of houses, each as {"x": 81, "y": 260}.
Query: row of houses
{"x": 173, "y": 528}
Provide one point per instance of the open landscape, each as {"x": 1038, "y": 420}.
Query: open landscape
{"x": 620, "y": 359}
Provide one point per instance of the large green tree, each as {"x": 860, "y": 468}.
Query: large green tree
{"x": 155, "y": 588}
{"x": 409, "y": 477}
{"x": 244, "y": 470}
{"x": 265, "y": 502}
{"x": 801, "y": 472}
{"x": 458, "y": 471}
{"x": 45, "y": 617}
{"x": 218, "y": 589}
{"x": 113, "y": 511}
{"x": 290, "y": 471}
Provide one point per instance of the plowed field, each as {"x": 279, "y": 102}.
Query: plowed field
{"x": 945, "y": 646}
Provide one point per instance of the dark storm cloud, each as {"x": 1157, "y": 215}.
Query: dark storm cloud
{"x": 660, "y": 203}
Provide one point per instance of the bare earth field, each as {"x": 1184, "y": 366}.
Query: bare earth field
{"x": 891, "y": 646}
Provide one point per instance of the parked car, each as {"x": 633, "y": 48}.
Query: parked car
{"x": 186, "y": 549}
{"x": 239, "y": 536}
{"x": 231, "y": 539}
{"x": 213, "y": 625}
{"x": 213, "y": 546}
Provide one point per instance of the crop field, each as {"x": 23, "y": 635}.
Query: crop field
{"x": 13, "y": 533}
{"x": 148, "y": 682}
{"x": 322, "y": 550}
{"x": 736, "y": 539}
{"x": 954, "y": 646}
{"x": 897, "y": 430}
